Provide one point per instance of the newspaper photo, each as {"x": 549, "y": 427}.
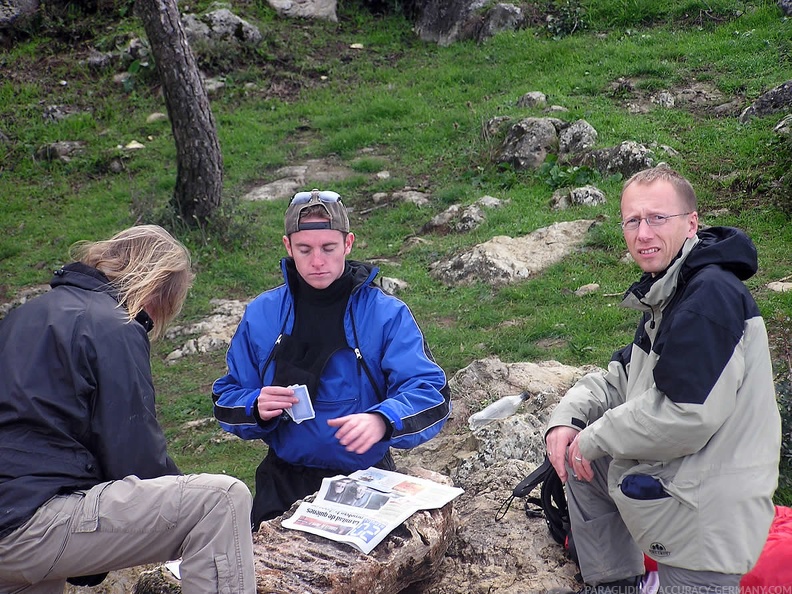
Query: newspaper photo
{"x": 363, "y": 508}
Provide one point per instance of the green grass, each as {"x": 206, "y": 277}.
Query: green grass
{"x": 420, "y": 108}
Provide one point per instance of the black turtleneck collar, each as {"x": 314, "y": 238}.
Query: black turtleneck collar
{"x": 318, "y": 329}
{"x": 339, "y": 289}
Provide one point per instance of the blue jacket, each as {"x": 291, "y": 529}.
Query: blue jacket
{"x": 387, "y": 369}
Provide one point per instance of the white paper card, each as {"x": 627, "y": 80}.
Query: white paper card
{"x": 303, "y": 410}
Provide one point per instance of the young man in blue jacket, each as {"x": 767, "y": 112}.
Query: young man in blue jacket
{"x": 369, "y": 374}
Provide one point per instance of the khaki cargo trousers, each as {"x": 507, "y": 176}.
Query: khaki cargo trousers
{"x": 204, "y": 519}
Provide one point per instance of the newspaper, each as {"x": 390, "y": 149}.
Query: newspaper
{"x": 363, "y": 508}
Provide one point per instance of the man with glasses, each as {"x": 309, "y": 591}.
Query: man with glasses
{"x": 673, "y": 451}
{"x": 358, "y": 351}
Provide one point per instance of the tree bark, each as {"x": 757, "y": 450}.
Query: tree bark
{"x": 199, "y": 162}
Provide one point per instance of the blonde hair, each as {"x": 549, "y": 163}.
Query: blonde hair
{"x": 662, "y": 172}
{"x": 147, "y": 266}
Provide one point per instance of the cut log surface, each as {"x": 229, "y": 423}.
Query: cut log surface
{"x": 290, "y": 561}
{"x": 294, "y": 562}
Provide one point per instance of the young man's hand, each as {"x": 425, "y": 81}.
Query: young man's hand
{"x": 358, "y": 432}
{"x": 273, "y": 400}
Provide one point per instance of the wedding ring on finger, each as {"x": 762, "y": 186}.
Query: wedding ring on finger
{"x": 578, "y": 459}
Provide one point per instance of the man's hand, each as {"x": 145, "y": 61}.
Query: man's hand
{"x": 580, "y": 466}
{"x": 358, "y": 432}
{"x": 273, "y": 400}
{"x": 557, "y": 441}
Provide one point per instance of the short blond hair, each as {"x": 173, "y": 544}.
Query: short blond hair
{"x": 147, "y": 266}
{"x": 663, "y": 172}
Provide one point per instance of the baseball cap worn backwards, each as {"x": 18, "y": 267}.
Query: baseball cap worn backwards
{"x": 330, "y": 201}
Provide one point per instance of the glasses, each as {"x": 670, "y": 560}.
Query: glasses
{"x": 322, "y": 196}
{"x": 652, "y": 220}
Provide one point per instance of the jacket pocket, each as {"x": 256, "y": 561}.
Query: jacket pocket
{"x": 131, "y": 505}
{"x": 664, "y": 526}
{"x": 87, "y": 519}
{"x": 642, "y": 486}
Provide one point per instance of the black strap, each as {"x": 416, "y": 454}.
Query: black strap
{"x": 538, "y": 476}
{"x": 524, "y": 487}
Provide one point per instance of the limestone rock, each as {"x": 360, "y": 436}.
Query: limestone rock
{"x": 501, "y": 17}
{"x": 445, "y": 21}
{"x": 784, "y": 127}
{"x": 528, "y": 143}
{"x": 214, "y": 332}
{"x": 157, "y": 581}
{"x": 309, "y": 9}
{"x": 532, "y": 99}
{"x": 293, "y": 178}
{"x": 62, "y": 150}
{"x": 780, "y": 286}
{"x": 588, "y": 195}
{"x": 627, "y": 158}
{"x": 775, "y": 100}
{"x": 579, "y": 136}
{"x": 17, "y": 13}
{"x": 504, "y": 260}
{"x": 515, "y": 555}
{"x": 220, "y": 26}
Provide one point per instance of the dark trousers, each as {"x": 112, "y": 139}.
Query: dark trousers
{"x": 279, "y": 484}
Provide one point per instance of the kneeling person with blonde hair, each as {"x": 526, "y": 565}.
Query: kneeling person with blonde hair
{"x": 87, "y": 485}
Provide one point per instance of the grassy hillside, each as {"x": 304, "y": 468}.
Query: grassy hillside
{"x": 416, "y": 110}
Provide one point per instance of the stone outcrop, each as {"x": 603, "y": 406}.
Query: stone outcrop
{"x": 16, "y": 12}
{"x": 213, "y": 332}
{"x": 584, "y": 196}
{"x": 504, "y": 260}
{"x": 62, "y": 150}
{"x": 307, "y": 9}
{"x": 626, "y": 158}
{"x": 517, "y": 554}
{"x": 443, "y": 21}
{"x": 577, "y": 137}
{"x": 501, "y": 17}
{"x": 220, "y": 26}
{"x": 528, "y": 143}
{"x": 778, "y": 99}
{"x": 447, "y": 21}
{"x": 291, "y": 561}
{"x": 293, "y": 178}
{"x": 459, "y": 219}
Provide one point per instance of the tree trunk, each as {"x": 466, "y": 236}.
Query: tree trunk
{"x": 199, "y": 162}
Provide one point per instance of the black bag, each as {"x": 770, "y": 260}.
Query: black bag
{"x": 551, "y": 504}
{"x": 87, "y": 580}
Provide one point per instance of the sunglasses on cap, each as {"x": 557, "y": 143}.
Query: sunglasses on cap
{"x": 320, "y": 195}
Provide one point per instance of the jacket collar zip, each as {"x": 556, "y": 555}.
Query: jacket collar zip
{"x": 145, "y": 320}
{"x": 359, "y": 356}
